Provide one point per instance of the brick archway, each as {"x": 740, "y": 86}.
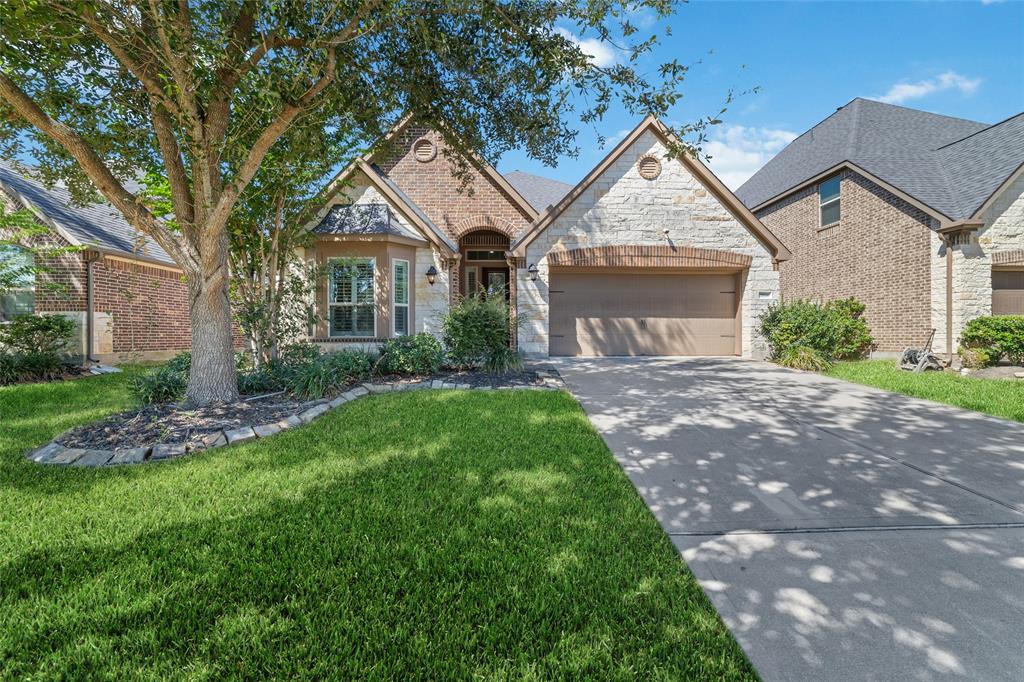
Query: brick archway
{"x": 648, "y": 256}
{"x": 474, "y": 223}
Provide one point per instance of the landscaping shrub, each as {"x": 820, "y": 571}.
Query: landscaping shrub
{"x": 299, "y": 353}
{"x": 986, "y": 340}
{"x": 803, "y": 357}
{"x": 32, "y": 347}
{"x": 477, "y": 332}
{"x": 46, "y": 334}
{"x": 416, "y": 355}
{"x": 327, "y": 374}
{"x": 262, "y": 379}
{"x": 163, "y": 384}
{"x": 835, "y": 330}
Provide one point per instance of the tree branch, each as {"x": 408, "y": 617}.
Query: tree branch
{"x": 108, "y": 185}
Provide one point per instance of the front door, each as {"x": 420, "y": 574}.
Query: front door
{"x": 495, "y": 279}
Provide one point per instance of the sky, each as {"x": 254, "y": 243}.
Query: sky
{"x": 963, "y": 59}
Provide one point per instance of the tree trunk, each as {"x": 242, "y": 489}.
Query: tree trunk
{"x": 213, "y": 377}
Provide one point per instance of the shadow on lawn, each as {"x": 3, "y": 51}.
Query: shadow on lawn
{"x": 380, "y": 541}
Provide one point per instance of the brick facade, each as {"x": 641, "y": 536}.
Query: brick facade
{"x": 440, "y": 195}
{"x": 878, "y": 252}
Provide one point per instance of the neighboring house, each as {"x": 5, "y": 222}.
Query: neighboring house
{"x": 645, "y": 256}
{"x": 920, "y": 216}
{"x": 125, "y": 292}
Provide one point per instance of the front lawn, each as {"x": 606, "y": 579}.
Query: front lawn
{"x": 419, "y": 535}
{"x": 998, "y": 397}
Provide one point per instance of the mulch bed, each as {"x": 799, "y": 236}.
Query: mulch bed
{"x": 173, "y": 423}
{"x": 67, "y": 373}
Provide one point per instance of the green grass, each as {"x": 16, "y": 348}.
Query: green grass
{"x": 423, "y": 535}
{"x": 998, "y": 397}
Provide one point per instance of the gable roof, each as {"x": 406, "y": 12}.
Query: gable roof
{"x": 97, "y": 225}
{"x": 541, "y": 192}
{"x": 693, "y": 165}
{"x": 949, "y": 165}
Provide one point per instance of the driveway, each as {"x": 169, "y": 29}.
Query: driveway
{"x": 841, "y": 531}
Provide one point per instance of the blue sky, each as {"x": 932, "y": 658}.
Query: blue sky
{"x": 962, "y": 59}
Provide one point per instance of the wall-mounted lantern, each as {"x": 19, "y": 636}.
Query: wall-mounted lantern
{"x": 533, "y": 272}
{"x": 431, "y": 275}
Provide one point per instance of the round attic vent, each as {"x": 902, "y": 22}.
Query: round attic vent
{"x": 650, "y": 167}
{"x": 424, "y": 150}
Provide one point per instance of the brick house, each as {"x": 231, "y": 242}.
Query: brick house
{"x": 645, "y": 256}
{"x": 124, "y": 291}
{"x": 920, "y": 216}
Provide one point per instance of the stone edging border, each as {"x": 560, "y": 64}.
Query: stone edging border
{"x": 57, "y": 454}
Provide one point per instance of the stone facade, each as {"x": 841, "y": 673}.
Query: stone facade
{"x": 621, "y": 208}
{"x": 880, "y": 252}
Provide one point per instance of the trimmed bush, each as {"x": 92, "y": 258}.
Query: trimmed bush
{"x": 803, "y": 357}
{"x": 416, "y": 355}
{"x": 477, "y": 332}
{"x": 987, "y": 340}
{"x": 45, "y": 334}
{"x": 834, "y": 330}
{"x": 263, "y": 379}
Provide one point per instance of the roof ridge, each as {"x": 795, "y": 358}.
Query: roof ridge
{"x": 979, "y": 132}
{"x": 919, "y": 111}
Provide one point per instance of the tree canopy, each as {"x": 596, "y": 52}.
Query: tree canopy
{"x": 105, "y": 92}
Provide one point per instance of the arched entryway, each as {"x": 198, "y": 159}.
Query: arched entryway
{"x": 483, "y": 266}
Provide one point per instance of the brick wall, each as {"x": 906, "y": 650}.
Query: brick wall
{"x": 879, "y": 252}
{"x": 148, "y": 306}
{"x": 432, "y": 187}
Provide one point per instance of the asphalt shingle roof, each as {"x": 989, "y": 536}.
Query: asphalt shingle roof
{"x": 541, "y": 192}
{"x": 363, "y": 219}
{"x": 950, "y": 164}
{"x": 99, "y": 224}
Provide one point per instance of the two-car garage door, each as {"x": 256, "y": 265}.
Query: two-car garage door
{"x": 638, "y": 313}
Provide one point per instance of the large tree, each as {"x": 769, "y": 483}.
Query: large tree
{"x": 103, "y": 92}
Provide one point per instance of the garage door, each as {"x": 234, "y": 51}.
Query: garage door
{"x": 642, "y": 314}
{"x": 1008, "y": 292}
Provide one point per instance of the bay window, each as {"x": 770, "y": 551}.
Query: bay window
{"x": 400, "y": 297}
{"x": 351, "y": 297}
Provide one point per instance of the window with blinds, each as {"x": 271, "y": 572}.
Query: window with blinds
{"x": 472, "y": 281}
{"x": 400, "y": 297}
{"x": 351, "y": 297}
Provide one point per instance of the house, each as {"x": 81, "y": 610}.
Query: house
{"x": 647, "y": 255}
{"x": 125, "y": 292}
{"x": 920, "y": 216}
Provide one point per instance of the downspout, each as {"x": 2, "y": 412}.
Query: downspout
{"x": 949, "y": 298}
{"x": 90, "y": 259}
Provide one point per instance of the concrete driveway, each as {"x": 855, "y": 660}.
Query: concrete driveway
{"x": 842, "y": 532}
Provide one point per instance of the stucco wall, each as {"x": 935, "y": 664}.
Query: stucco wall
{"x": 621, "y": 207}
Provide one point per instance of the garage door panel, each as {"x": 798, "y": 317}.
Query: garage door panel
{"x": 642, "y": 314}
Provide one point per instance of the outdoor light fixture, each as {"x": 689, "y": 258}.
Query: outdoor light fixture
{"x": 431, "y": 274}
{"x": 533, "y": 272}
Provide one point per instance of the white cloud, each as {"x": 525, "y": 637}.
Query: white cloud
{"x": 949, "y": 80}
{"x": 613, "y": 140}
{"x": 737, "y": 152}
{"x": 601, "y": 53}
{"x": 990, "y": 2}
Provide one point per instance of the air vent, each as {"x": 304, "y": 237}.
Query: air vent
{"x": 424, "y": 150}
{"x": 650, "y": 167}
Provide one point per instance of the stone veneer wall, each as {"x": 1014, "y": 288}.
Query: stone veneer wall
{"x": 621, "y": 207}
{"x": 879, "y": 252}
{"x": 972, "y": 263}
